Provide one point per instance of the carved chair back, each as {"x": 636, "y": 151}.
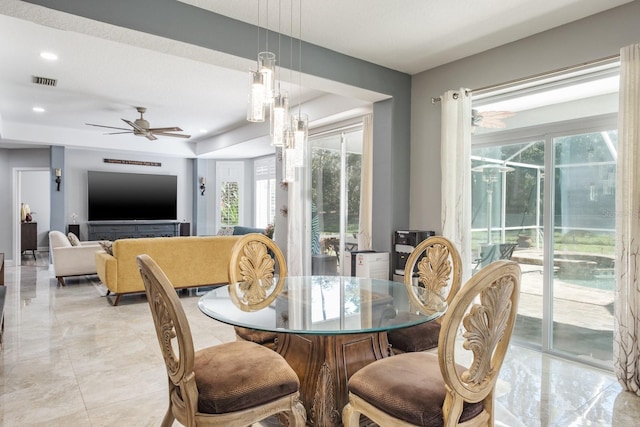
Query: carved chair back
{"x": 173, "y": 332}
{"x": 439, "y": 270}
{"x": 487, "y": 328}
{"x": 256, "y": 272}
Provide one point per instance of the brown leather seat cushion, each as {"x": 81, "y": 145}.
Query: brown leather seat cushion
{"x": 408, "y": 386}
{"x": 415, "y": 338}
{"x": 240, "y": 375}
{"x": 259, "y": 337}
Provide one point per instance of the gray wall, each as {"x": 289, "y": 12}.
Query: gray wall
{"x": 589, "y": 39}
{"x": 79, "y": 161}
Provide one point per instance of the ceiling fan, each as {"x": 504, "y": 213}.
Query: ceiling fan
{"x": 140, "y": 127}
{"x": 490, "y": 119}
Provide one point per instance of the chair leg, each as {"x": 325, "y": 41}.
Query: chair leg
{"x": 61, "y": 280}
{"x": 350, "y": 417}
{"x": 168, "y": 418}
{"x": 298, "y": 417}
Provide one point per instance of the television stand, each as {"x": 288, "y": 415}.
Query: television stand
{"x": 114, "y": 230}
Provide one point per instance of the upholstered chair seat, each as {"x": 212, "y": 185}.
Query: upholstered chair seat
{"x": 268, "y": 339}
{"x": 413, "y": 395}
{"x": 414, "y": 338}
{"x": 237, "y": 376}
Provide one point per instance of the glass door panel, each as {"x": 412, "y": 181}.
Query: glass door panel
{"x": 335, "y": 193}
{"x": 583, "y": 245}
{"x": 515, "y": 211}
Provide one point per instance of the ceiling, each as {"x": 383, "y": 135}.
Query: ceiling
{"x": 104, "y": 72}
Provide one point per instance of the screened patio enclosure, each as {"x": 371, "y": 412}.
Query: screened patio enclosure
{"x": 544, "y": 185}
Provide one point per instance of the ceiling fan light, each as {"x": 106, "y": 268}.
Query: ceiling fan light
{"x": 255, "y": 109}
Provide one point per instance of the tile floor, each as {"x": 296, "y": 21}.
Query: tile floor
{"x": 69, "y": 358}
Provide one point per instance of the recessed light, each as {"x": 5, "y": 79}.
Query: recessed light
{"x": 203, "y": 131}
{"x": 38, "y": 109}
{"x": 50, "y": 56}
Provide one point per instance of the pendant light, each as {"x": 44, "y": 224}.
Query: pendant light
{"x": 279, "y": 118}
{"x": 279, "y": 114}
{"x": 300, "y": 131}
{"x": 255, "y": 110}
{"x": 300, "y": 121}
{"x": 263, "y": 79}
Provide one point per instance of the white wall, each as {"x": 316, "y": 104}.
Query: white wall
{"x": 589, "y": 39}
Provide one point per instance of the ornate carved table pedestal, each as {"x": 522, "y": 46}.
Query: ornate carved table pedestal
{"x": 328, "y": 328}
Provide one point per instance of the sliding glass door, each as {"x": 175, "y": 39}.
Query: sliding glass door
{"x": 543, "y": 183}
{"x": 336, "y": 162}
{"x": 562, "y": 227}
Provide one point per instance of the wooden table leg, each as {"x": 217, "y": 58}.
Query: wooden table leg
{"x": 324, "y": 364}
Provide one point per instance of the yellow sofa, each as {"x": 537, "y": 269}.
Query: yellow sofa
{"x": 187, "y": 261}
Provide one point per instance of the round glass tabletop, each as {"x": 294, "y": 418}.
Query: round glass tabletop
{"x": 325, "y": 305}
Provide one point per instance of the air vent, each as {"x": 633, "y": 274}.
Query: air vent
{"x": 45, "y": 81}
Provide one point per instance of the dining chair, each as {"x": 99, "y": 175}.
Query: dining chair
{"x": 439, "y": 270}
{"x": 256, "y": 262}
{"x": 231, "y": 384}
{"x": 428, "y": 389}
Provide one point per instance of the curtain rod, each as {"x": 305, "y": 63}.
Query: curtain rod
{"x": 538, "y": 76}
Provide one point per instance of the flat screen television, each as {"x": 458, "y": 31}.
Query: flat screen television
{"x": 116, "y": 196}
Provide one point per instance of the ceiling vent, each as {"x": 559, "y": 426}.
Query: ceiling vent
{"x": 45, "y": 81}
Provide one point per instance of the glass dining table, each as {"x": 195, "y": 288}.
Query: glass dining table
{"x": 328, "y": 327}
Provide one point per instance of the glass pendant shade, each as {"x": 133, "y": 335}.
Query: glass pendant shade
{"x": 279, "y": 116}
{"x": 267, "y": 67}
{"x": 289, "y": 153}
{"x": 300, "y": 129}
{"x": 255, "y": 109}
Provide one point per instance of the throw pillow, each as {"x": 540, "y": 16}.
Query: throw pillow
{"x": 107, "y": 246}
{"x": 73, "y": 239}
{"x": 225, "y": 231}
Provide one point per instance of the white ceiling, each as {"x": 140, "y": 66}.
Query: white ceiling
{"x": 103, "y": 72}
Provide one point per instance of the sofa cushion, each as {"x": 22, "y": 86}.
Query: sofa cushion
{"x": 58, "y": 239}
{"x": 238, "y": 230}
{"x": 225, "y": 231}
{"x": 107, "y": 246}
{"x": 73, "y": 239}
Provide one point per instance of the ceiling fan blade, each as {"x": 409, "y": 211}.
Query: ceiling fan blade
{"x": 133, "y": 125}
{"x": 177, "y": 135}
{"x": 108, "y": 127}
{"x": 150, "y": 136}
{"x": 118, "y": 133}
{"x": 169, "y": 129}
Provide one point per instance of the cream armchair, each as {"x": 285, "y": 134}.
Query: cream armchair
{"x": 71, "y": 260}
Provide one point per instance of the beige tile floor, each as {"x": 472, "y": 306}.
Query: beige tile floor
{"x": 71, "y": 359}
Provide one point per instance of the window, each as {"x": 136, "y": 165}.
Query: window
{"x": 265, "y": 191}
{"x": 229, "y": 193}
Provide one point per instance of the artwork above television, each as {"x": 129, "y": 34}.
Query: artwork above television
{"x": 119, "y": 196}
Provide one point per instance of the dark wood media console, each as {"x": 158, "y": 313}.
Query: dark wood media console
{"x": 105, "y": 230}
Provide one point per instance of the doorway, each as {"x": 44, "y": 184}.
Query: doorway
{"x": 31, "y": 187}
